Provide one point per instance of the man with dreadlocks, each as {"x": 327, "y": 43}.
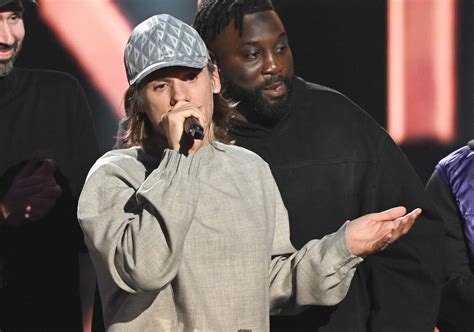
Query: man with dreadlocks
{"x": 332, "y": 162}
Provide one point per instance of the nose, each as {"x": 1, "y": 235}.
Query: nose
{"x": 179, "y": 92}
{"x": 6, "y": 33}
{"x": 271, "y": 64}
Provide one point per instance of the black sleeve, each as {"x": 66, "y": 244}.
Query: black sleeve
{"x": 86, "y": 151}
{"x": 457, "y": 297}
{"x": 404, "y": 280}
{"x": 86, "y": 148}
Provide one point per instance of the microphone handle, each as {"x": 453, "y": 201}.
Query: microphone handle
{"x": 193, "y": 128}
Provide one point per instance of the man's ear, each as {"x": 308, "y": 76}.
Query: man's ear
{"x": 215, "y": 80}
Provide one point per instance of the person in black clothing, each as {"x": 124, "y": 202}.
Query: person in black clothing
{"x": 331, "y": 162}
{"x": 47, "y": 145}
{"x": 451, "y": 188}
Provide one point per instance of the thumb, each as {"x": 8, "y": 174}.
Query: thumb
{"x": 47, "y": 168}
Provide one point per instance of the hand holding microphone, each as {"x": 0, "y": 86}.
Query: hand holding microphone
{"x": 184, "y": 127}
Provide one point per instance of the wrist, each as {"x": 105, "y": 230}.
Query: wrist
{"x": 354, "y": 245}
{"x": 7, "y": 218}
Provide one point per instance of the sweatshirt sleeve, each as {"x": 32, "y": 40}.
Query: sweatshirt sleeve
{"x": 319, "y": 273}
{"x": 137, "y": 227}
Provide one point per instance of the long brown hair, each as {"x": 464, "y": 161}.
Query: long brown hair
{"x": 140, "y": 130}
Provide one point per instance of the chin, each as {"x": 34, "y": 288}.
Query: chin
{"x": 276, "y": 101}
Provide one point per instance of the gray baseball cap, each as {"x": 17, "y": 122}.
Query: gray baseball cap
{"x": 163, "y": 41}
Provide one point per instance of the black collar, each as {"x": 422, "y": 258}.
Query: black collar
{"x": 7, "y": 85}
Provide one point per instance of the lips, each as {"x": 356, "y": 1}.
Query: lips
{"x": 6, "y": 54}
{"x": 6, "y": 51}
{"x": 275, "y": 90}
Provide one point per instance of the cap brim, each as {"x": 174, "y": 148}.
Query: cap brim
{"x": 198, "y": 63}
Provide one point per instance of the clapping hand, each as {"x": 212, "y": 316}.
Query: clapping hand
{"x": 32, "y": 194}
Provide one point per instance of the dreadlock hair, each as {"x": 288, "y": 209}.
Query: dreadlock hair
{"x": 214, "y": 15}
{"x": 139, "y": 130}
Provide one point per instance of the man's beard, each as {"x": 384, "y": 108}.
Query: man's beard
{"x": 6, "y": 66}
{"x": 254, "y": 106}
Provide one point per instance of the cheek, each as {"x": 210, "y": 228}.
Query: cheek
{"x": 207, "y": 105}
{"x": 153, "y": 110}
{"x": 19, "y": 33}
{"x": 155, "y": 119}
{"x": 242, "y": 73}
{"x": 287, "y": 62}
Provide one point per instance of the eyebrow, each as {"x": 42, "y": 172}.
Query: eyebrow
{"x": 256, "y": 42}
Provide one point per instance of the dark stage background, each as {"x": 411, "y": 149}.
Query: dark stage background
{"x": 338, "y": 43}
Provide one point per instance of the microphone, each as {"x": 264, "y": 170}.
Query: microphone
{"x": 193, "y": 128}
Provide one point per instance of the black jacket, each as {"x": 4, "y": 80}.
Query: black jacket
{"x": 43, "y": 114}
{"x": 332, "y": 162}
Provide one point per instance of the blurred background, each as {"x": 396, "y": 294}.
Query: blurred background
{"x": 408, "y": 63}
